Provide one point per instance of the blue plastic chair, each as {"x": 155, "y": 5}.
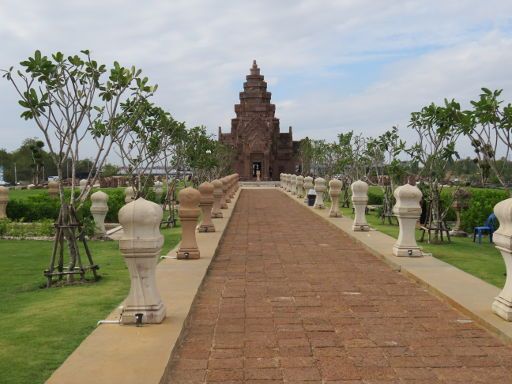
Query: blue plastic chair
{"x": 488, "y": 227}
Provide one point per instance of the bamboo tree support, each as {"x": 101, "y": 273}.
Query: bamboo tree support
{"x": 72, "y": 233}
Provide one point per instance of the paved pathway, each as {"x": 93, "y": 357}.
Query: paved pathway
{"x": 291, "y": 299}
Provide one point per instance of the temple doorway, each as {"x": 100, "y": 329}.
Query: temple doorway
{"x": 256, "y": 166}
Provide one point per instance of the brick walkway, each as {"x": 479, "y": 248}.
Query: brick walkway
{"x": 291, "y": 299}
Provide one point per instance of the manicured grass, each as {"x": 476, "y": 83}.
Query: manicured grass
{"x": 480, "y": 260}
{"x": 41, "y": 327}
{"x": 24, "y": 193}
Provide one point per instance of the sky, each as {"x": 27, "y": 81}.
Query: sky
{"x": 331, "y": 65}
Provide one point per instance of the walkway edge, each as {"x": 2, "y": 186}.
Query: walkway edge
{"x": 130, "y": 355}
{"x": 470, "y": 295}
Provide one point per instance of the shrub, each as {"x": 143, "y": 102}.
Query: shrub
{"x": 480, "y": 206}
{"x": 40, "y": 207}
{"x": 22, "y": 230}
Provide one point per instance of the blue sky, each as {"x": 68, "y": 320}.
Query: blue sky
{"x": 331, "y": 65}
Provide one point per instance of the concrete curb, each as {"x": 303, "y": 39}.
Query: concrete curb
{"x": 114, "y": 353}
{"x": 470, "y": 295}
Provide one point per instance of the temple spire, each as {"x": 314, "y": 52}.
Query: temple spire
{"x": 254, "y": 69}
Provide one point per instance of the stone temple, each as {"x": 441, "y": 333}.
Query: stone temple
{"x": 255, "y": 135}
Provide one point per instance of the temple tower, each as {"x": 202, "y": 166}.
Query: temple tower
{"x": 255, "y": 135}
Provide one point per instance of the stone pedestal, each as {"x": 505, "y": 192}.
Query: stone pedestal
{"x": 206, "y": 204}
{"x": 359, "y": 200}
{"x": 217, "y": 197}
{"x": 308, "y": 184}
{"x": 320, "y": 188}
{"x": 502, "y": 238}
{"x": 83, "y": 185}
{"x": 293, "y": 183}
{"x": 407, "y": 210}
{"x": 300, "y": 186}
{"x": 223, "y": 201}
{"x": 189, "y": 213}
{"x": 334, "y": 191}
{"x": 4, "y": 199}
{"x": 53, "y": 188}
{"x": 158, "y": 189}
{"x": 129, "y": 194}
{"x": 99, "y": 209}
{"x": 140, "y": 246}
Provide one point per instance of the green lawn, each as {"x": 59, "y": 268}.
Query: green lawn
{"x": 41, "y": 327}
{"x": 480, "y": 260}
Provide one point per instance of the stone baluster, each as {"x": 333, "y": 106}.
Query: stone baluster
{"x": 320, "y": 188}
{"x": 99, "y": 209}
{"x": 281, "y": 180}
{"x": 288, "y": 182}
{"x": 308, "y": 184}
{"x": 206, "y": 203}
{"x": 129, "y": 194}
{"x": 140, "y": 246}
{"x": 158, "y": 189}
{"x": 258, "y": 175}
{"x": 359, "y": 200}
{"x": 334, "y": 191}
{"x": 53, "y": 188}
{"x": 83, "y": 185}
{"x": 233, "y": 186}
{"x": 300, "y": 186}
{"x": 502, "y": 238}
{"x": 223, "y": 202}
{"x": 189, "y": 213}
{"x": 293, "y": 182}
{"x": 407, "y": 210}
{"x": 225, "y": 188}
{"x": 4, "y": 199}
{"x": 217, "y": 197}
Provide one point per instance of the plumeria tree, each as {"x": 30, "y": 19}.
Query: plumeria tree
{"x": 73, "y": 99}
{"x": 437, "y": 133}
{"x": 489, "y": 127}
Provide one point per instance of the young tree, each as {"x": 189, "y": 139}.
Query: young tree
{"x": 140, "y": 142}
{"x": 436, "y": 127}
{"x": 73, "y": 99}
{"x": 383, "y": 153}
{"x": 489, "y": 125}
{"x": 305, "y": 156}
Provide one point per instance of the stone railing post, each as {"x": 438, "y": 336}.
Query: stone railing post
{"x": 293, "y": 182}
{"x": 189, "y": 213}
{"x": 300, "y": 186}
{"x": 320, "y": 188}
{"x": 140, "y": 246}
{"x": 258, "y": 175}
{"x": 287, "y": 182}
{"x": 158, "y": 189}
{"x": 217, "y": 197}
{"x": 83, "y": 185}
{"x": 407, "y": 210}
{"x": 206, "y": 203}
{"x": 502, "y": 238}
{"x": 233, "y": 186}
{"x": 99, "y": 209}
{"x": 308, "y": 184}
{"x": 334, "y": 191}
{"x": 223, "y": 201}
{"x": 129, "y": 195}
{"x": 359, "y": 200}
{"x": 281, "y": 180}
{"x": 53, "y": 188}
{"x": 4, "y": 199}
